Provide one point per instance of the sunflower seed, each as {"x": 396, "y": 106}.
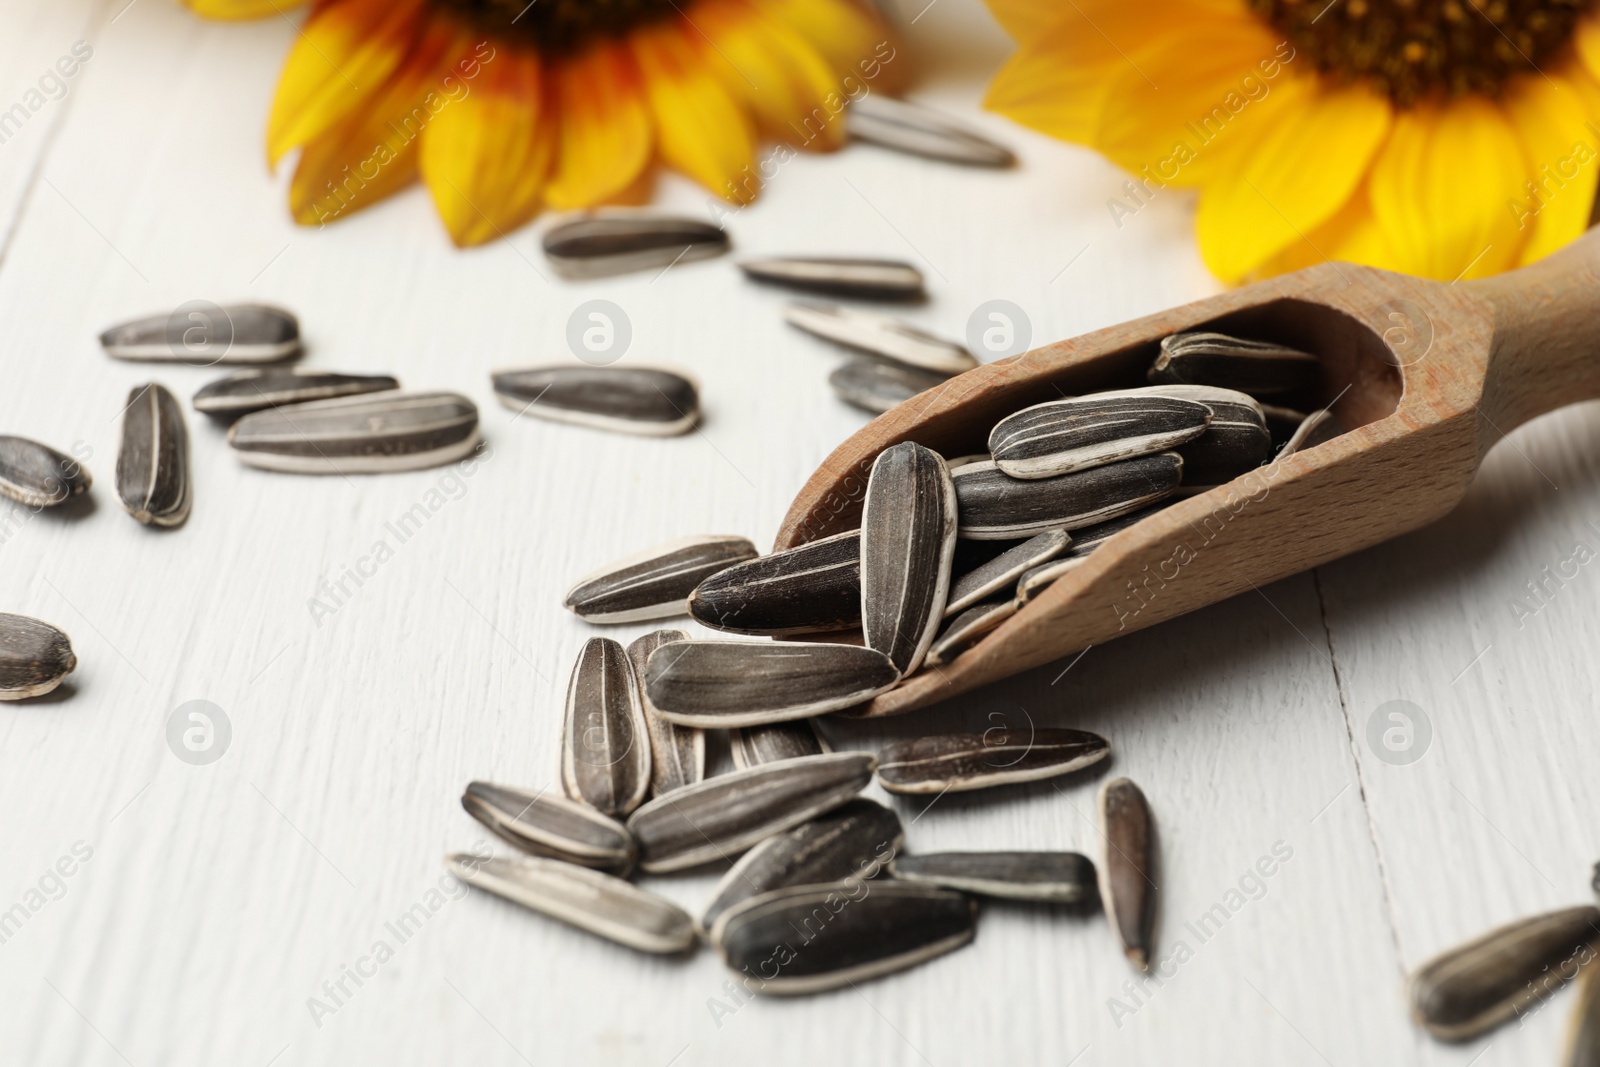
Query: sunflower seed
{"x": 854, "y": 840}
{"x": 552, "y": 826}
{"x": 1089, "y": 538}
{"x": 814, "y": 587}
{"x": 922, "y": 131}
{"x": 1037, "y": 579}
{"x": 1127, "y": 868}
{"x": 875, "y": 386}
{"x": 240, "y": 394}
{"x": 1056, "y": 877}
{"x": 1260, "y": 368}
{"x": 598, "y": 903}
{"x": 1583, "y": 1033}
{"x": 746, "y": 683}
{"x": 1004, "y": 569}
{"x": 962, "y": 461}
{"x": 955, "y": 763}
{"x": 1476, "y": 986}
{"x": 655, "y": 583}
{"x": 908, "y": 535}
{"x": 637, "y": 400}
{"x": 153, "y": 459}
{"x": 723, "y": 816}
{"x": 965, "y": 629}
{"x": 236, "y": 333}
{"x": 864, "y": 279}
{"x": 605, "y": 751}
{"x": 374, "y": 434}
{"x": 994, "y": 506}
{"x": 806, "y": 939}
{"x": 38, "y": 476}
{"x": 1314, "y": 429}
{"x": 1062, "y": 436}
{"x": 1281, "y": 423}
{"x": 881, "y": 335}
{"x": 677, "y": 753}
{"x": 34, "y": 657}
{"x": 1237, "y": 441}
{"x": 754, "y": 745}
{"x": 598, "y": 247}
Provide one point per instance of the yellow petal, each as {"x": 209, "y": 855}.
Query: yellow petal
{"x": 699, "y": 129}
{"x": 1055, "y": 85}
{"x": 850, "y": 39}
{"x": 779, "y": 76}
{"x": 345, "y": 51}
{"x": 485, "y": 156}
{"x": 1307, "y": 151}
{"x": 1026, "y": 19}
{"x": 1551, "y": 116}
{"x": 1352, "y": 235}
{"x": 1440, "y": 187}
{"x": 605, "y": 137}
{"x": 1586, "y": 36}
{"x": 241, "y": 9}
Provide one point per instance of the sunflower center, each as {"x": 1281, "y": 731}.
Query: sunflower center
{"x": 1416, "y": 49}
{"x": 558, "y": 25}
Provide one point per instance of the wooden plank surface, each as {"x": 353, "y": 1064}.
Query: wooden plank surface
{"x": 217, "y": 900}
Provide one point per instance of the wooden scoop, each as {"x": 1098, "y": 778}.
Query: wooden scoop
{"x": 1429, "y": 375}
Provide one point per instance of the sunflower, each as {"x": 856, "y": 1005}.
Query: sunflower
{"x": 1446, "y": 138}
{"x": 504, "y": 107}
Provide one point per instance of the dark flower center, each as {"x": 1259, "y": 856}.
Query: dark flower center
{"x": 1413, "y": 50}
{"x": 558, "y": 26}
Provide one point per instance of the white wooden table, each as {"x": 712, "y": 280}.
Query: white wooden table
{"x": 218, "y": 900}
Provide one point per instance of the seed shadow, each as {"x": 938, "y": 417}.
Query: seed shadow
{"x": 59, "y": 695}
{"x": 73, "y": 509}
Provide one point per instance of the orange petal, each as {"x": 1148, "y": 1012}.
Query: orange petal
{"x": 605, "y": 134}
{"x": 241, "y": 9}
{"x": 780, "y": 76}
{"x": 1586, "y": 36}
{"x": 700, "y": 130}
{"x": 1552, "y": 116}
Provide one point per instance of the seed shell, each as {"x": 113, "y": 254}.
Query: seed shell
{"x": 37, "y": 476}
{"x": 648, "y": 401}
{"x": 376, "y": 434}
{"x": 881, "y": 335}
{"x": 655, "y": 583}
{"x": 605, "y": 748}
{"x": 1583, "y": 1033}
{"x": 908, "y": 537}
{"x": 677, "y": 753}
{"x": 153, "y": 459}
{"x": 1128, "y": 868}
{"x": 606, "y": 245}
{"x": 589, "y": 900}
{"x": 993, "y": 506}
{"x": 1237, "y": 441}
{"x": 864, "y": 279}
{"x": 754, "y": 745}
{"x": 853, "y": 840}
{"x": 1281, "y": 423}
{"x": 1062, "y": 436}
{"x": 1055, "y": 877}
{"x": 1089, "y": 538}
{"x": 236, "y": 333}
{"x": 1004, "y": 569}
{"x": 1260, "y": 368}
{"x": 955, "y": 763}
{"x": 745, "y": 683}
{"x": 247, "y": 391}
{"x": 1314, "y": 429}
{"x": 549, "y": 825}
{"x": 813, "y": 938}
{"x": 1477, "y": 986}
{"x": 875, "y": 386}
{"x": 814, "y": 587}
{"x": 722, "y": 816}
{"x": 921, "y": 131}
{"x": 34, "y": 657}
{"x": 1037, "y": 579}
{"x": 963, "y": 631}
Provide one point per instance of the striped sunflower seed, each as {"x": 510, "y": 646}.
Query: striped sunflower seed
{"x": 993, "y": 506}
{"x": 551, "y": 826}
{"x": 1056, "y": 877}
{"x": 1004, "y": 569}
{"x": 655, "y": 583}
{"x": 236, "y": 333}
{"x": 1128, "y": 868}
{"x": 1037, "y": 579}
{"x": 963, "y": 631}
{"x": 908, "y": 536}
{"x": 1583, "y": 1033}
{"x": 605, "y": 749}
{"x": 37, "y": 476}
{"x": 606, "y": 245}
{"x": 854, "y": 840}
{"x": 1089, "y": 538}
{"x": 864, "y": 279}
{"x": 1062, "y": 436}
{"x": 1236, "y": 442}
{"x": 875, "y": 386}
{"x": 754, "y": 745}
{"x": 815, "y": 587}
{"x": 240, "y": 394}
{"x": 375, "y": 434}
{"x": 807, "y": 939}
{"x": 881, "y": 335}
{"x": 1281, "y": 423}
{"x": 599, "y": 903}
{"x": 1260, "y": 368}
{"x": 962, "y": 461}
{"x": 1477, "y": 986}
{"x": 722, "y": 816}
{"x": 677, "y": 753}
{"x": 639, "y": 400}
{"x": 153, "y": 459}
{"x": 955, "y": 763}
{"x": 746, "y": 683}
{"x": 34, "y": 657}
{"x": 921, "y": 131}
{"x": 1314, "y": 429}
